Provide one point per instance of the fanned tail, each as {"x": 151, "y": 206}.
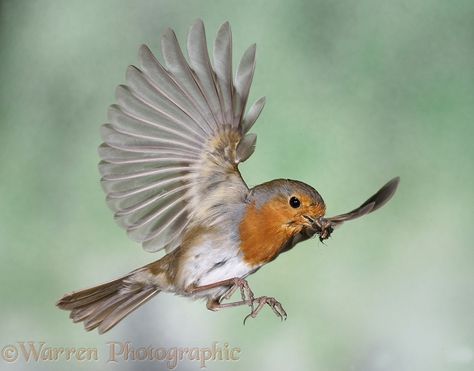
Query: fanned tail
{"x": 106, "y": 305}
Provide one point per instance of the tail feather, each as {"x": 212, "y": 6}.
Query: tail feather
{"x": 126, "y": 307}
{"x": 81, "y": 298}
{"x": 106, "y": 305}
{"x": 94, "y": 318}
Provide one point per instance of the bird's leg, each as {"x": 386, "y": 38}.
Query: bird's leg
{"x": 234, "y": 283}
{"x": 247, "y": 298}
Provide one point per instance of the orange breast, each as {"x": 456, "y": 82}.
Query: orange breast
{"x": 264, "y": 231}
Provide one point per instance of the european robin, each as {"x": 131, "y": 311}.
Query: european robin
{"x": 170, "y": 157}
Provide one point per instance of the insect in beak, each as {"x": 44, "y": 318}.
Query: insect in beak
{"x": 321, "y": 226}
{"x": 324, "y": 228}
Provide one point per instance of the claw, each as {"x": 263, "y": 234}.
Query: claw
{"x": 277, "y": 308}
{"x": 247, "y": 316}
{"x": 271, "y": 302}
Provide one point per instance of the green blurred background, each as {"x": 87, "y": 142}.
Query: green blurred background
{"x": 357, "y": 92}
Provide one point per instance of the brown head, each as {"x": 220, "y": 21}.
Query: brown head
{"x": 276, "y": 212}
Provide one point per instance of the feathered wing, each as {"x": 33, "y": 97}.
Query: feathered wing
{"x": 177, "y": 132}
{"x": 376, "y": 201}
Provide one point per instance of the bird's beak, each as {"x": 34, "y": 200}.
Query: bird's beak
{"x": 309, "y": 221}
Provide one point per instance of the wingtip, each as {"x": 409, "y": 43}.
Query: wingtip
{"x": 143, "y": 47}
{"x": 395, "y": 180}
{"x": 224, "y": 29}
{"x": 130, "y": 71}
{"x": 168, "y": 31}
{"x": 120, "y": 90}
{"x": 225, "y": 26}
{"x": 249, "y": 55}
{"x": 143, "y": 50}
{"x": 386, "y": 193}
{"x": 253, "y": 48}
{"x": 168, "y": 34}
{"x": 392, "y": 184}
{"x": 196, "y": 37}
{"x": 59, "y": 303}
{"x": 149, "y": 246}
{"x": 197, "y": 24}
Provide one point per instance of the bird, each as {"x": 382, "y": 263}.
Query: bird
{"x": 169, "y": 167}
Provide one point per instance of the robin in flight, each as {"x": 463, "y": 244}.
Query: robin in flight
{"x": 170, "y": 157}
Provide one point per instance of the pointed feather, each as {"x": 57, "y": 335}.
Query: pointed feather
{"x": 243, "y": 80}
{"x": 125, "y": 308}
{"x": 114, "y": 137}
{"x": 165, "y": 227}
{"x": 121, "y": 120}
{"x": 135, "y": 106}
{"x": 201, "y": 65}
{"x": 143, "y": 224}
{"x": 252, "y": 115}
{"x": 223, "y": 70}
{"x": 181, "y": 72}
{"x": 151, "y": 95}
{"x": 116, "y": 190}
{"x": 161, "y": 80}
{"x": 152, "y": 201}
{"x": 246, "y": 147}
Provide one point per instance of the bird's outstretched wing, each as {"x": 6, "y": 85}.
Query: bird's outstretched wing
{"x": 176, "y": 136}
{"x": 375, "y": 202}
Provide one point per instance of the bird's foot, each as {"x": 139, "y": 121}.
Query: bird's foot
{"x": 245, "y": 291}
{"x": 248, "y": 298}
{"x": 271, "y": 302}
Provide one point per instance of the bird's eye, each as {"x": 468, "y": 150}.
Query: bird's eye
{"x": 294, "y": 202}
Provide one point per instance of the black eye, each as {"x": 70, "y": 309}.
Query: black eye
{"x": 294, "y": 202}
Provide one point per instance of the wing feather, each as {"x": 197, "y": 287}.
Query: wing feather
{"x": 124, "y": 121}
{"x": 127, "y": 189}
{"x": 152, "y": 200}
{"x": 175, "y": 136}
{"x": 243, "y": 80}
{"x": 253, "y": 114}
{"x": 201, "y": 65}
{"x": 182, "y": 74}
{"x": 223, "y": 70}
{"x": 162, "y": 80}
{"x": 114, "y": 136}
{"x": 139, "y": 108}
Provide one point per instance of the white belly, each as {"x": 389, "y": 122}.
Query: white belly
{"x": 206, "y": 264}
